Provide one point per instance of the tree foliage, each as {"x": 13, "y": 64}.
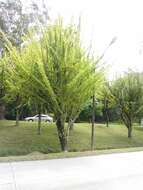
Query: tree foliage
{"x": 14, "y": 23}
{"x": 15, "y": 20}
{"x": 3, "y": 76}
{"x": 57, "y": 71}
{"x": 126, "y": 93}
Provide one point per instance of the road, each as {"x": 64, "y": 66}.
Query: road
{"x": 104, "y": 172}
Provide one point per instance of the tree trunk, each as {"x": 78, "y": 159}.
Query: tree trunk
{"x": 21, "y": 113}
{"x": 2, "y": 111}
{"x": 107, "y": 118}
{"x": 128, "y": 123}
{"x": 18, "y": 109}
{"x": 39, "y": 121}
{"x": 71, "y": 125}
{"x": 93, "y": 123}
{"x": 17, "y": 117}
{"x": 130, "y": 132}
{"x": 61, "y": 134}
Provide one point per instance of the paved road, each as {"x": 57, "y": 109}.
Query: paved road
{"x": 105, "y": 172}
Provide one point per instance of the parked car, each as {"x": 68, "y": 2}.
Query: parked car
{"x": 45, "y": 118}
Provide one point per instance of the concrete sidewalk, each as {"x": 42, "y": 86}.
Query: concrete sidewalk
{"x": 104, "y": 172}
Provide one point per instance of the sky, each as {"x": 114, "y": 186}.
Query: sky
{"x": 101, "y": 21}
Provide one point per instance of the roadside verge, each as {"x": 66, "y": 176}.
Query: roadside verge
{"x": 40, "y": 156}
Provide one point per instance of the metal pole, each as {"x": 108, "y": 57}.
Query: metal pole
{"x": 93, "y": 124}
{"x": 93, "y": 97}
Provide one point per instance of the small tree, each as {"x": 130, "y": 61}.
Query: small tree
{"x": 67, "y": 72}
{"x": 106, "y": 103}
{"x": 15, "y": 22}
{"x": 19, "y": 86}
{"x": 14, "y": 91}
{"x": 57, "y": 71}
{"x": 94, "y": 90}
{"x": 126, "y": 93}
{"x": 3, "y": 76}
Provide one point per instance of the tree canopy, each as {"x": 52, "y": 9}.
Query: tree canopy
{"x": 126, "y": 93}
{"x": 57, "y": 71}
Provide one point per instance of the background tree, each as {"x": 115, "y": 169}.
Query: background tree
{"x": 14, "y": 89}
{"x": 18, "y": 86}
{"x": 126, "y": 93}
{"x": 96, "y": 63}
{"x": 3, "y": 76}
{"x": 86, "y": 113}
{"x": 15, "y": 21}
{"x": 106, "y": 102}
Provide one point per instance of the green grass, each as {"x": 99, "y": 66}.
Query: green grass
{"x": 24, "y": 140}
{"x": 60, "y": 155}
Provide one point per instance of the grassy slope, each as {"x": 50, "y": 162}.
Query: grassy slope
{"x": 24, "y": 139}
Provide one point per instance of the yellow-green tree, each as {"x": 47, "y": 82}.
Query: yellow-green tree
{"x": 56, "y": 70}
{"x": 126, "y": 94}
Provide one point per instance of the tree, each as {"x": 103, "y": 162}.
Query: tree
{"x": 86, "y": 113}
{"x": 57, "y": 71}
{"x": 18, "y": 88}
{"x": 13, "y": 89}
{"x": 3, "y": 77}
{"x": 15, "y": 22}
{"x": 96, "y": 63}
{"x": 126, "y": 93}
{"x": 106, "y": 103}
{"x": 66, "y": 65}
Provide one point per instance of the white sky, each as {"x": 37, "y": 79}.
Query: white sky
{"x": 101, "y": 21}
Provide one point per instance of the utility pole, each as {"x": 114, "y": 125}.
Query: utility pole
{"x": 93, "y": 97}
{"x": 93, "y": 123}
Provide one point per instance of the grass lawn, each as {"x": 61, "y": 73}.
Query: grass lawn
{"x": 24, "y": 139}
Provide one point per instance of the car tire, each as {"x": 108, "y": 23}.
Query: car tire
{"x": 30, "y": 120}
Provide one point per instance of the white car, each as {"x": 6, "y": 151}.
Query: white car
{"x": 45, "y": 118}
